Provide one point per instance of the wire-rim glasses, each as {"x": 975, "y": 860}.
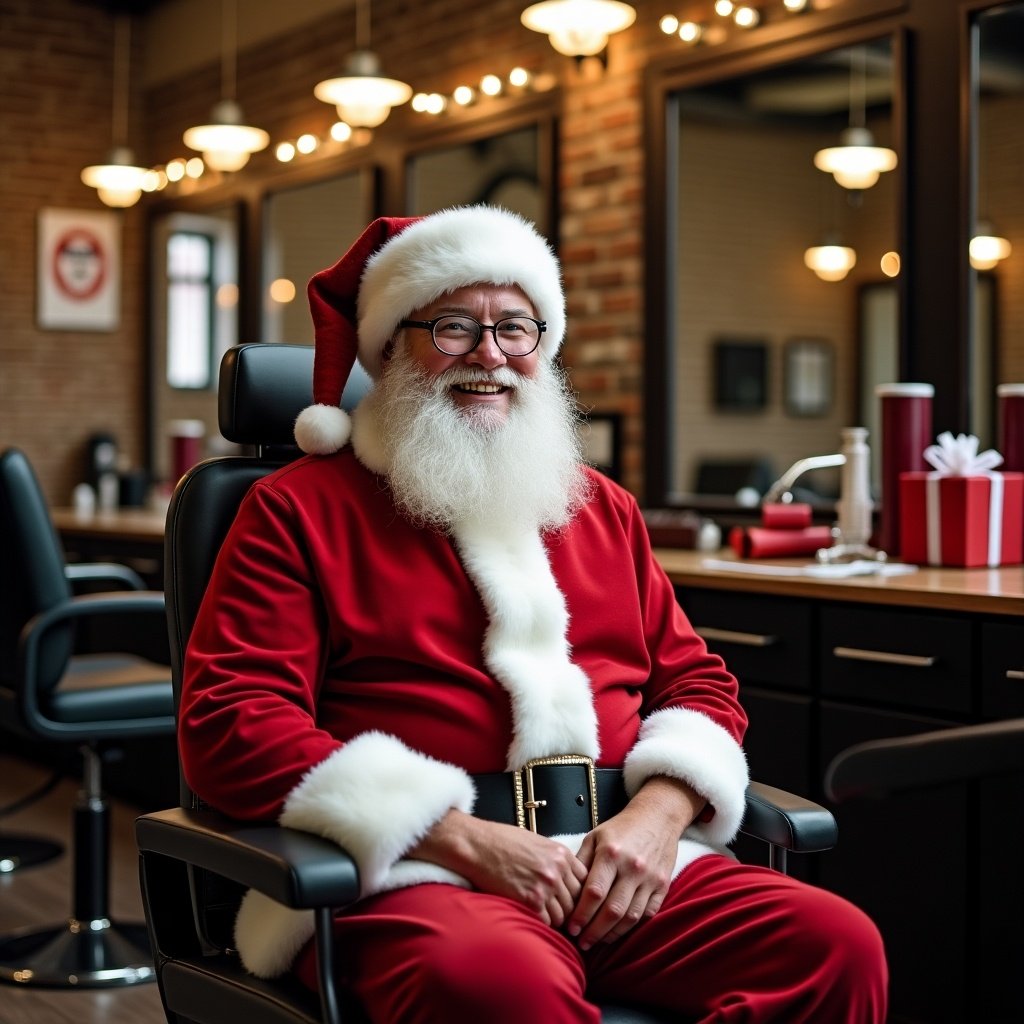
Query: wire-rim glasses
{"x": 458, "y": 335}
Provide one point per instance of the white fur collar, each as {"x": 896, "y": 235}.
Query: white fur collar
{"x": 525, "y": 645}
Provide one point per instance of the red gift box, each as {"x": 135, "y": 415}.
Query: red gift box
{"x": 946, "y": 520}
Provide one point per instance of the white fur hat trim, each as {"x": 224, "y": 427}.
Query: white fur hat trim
{"x": 462, "y": 246}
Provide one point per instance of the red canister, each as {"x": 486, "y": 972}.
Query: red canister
{"x": 906, "y": 432}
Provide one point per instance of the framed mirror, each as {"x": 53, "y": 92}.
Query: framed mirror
{"x": 742, "y": 202}
{"x": 194, "y": 318}
{"x": 306, "y": 228}
{"x": 997, "y": 212}
{"x": 508, "y": 163}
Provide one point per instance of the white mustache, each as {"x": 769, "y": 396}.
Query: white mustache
{"x": 502, "y": 376}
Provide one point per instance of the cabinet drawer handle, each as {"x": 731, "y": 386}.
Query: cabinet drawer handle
{"x": 731, "y": 636}
{"x": 910, "y": 660}
{"x": 1015, "y": 673}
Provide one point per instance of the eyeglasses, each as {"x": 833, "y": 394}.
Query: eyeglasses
{"x": 459, "y": 335}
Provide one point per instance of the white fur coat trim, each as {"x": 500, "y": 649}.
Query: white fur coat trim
{"x": 376, "y": 798}
{"x": 525, "y": 645}
{"x": 687, "y": 745}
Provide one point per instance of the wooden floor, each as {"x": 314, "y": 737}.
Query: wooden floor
{"x": 42, "y": 896}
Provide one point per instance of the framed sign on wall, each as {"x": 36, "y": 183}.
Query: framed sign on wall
{"x": 78, "y": 270}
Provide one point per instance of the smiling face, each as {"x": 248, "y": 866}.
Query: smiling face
{"x": 478, "y": 390}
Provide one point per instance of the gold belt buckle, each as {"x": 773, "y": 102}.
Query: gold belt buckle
{"x": 526, "y": 799}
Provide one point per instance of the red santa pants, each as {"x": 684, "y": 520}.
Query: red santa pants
{"x": 732, "y": 943}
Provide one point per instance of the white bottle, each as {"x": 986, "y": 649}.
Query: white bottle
{"x": 855, "y": 505}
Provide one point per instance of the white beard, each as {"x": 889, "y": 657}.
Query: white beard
{"x": 449, "y": 466}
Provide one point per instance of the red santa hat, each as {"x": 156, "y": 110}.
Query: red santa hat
{"x": 398, "y": 265}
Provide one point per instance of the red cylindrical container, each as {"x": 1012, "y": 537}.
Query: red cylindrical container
{"x": 186, "y": 445}
{"x": 906, "y": 432}
{"x": 1011, "y": 426}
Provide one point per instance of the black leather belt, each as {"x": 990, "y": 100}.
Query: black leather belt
{"x": 564, "y": 794}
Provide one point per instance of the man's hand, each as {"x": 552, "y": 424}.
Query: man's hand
{"x": 504, "y": 860}
{"x": 630, "y": 858}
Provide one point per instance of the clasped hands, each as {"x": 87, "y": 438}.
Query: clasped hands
{"x": 619, "y": 877}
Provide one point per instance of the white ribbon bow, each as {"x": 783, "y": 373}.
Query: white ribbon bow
{"x": 959, "y": 456}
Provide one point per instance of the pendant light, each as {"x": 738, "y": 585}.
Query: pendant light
{"x": 856, "y": 162}
{"x": 831, "y": 260}
{"x": 227, "y": 141}
{"x": 363, "y": 96}
{"x": 118, "y": 182}
{"x": 987, "y": 248}
{"x": 578, "y": 28}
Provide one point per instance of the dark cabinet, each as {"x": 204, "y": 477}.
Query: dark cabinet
{"x": 939, "y": 870}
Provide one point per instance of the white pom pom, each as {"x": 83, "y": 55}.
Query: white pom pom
{"x": 322, "y": 429}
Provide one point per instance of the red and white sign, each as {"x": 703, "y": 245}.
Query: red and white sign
{"x": 79, "y": 270}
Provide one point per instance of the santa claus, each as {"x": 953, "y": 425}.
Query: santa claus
{"x": 441, "y": 640}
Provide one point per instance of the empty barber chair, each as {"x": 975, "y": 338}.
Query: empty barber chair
{"x": 195, "y": 863}
{"x": 51, "y": 692}
{"x": 881, "y": 776}
{"x": 18, "y": 851}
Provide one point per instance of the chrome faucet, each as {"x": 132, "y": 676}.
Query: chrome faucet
{"x": 782, "y": 490}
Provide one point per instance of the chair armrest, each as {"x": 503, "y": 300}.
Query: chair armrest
{"x": 881, "y": 767}
{"x": 84, "y": 606}
{"x": 788, "y": 821}
{"x": 297, "y": 869}
{"x": 107, "y": 572}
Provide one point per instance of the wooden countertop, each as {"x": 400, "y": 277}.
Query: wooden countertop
{"x": 130, "y": 524}
{"x": 990, "y": 591}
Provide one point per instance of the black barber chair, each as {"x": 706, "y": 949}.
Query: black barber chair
{"x": 51, "y": 692}
{"x": 195, "y": 863}
{"x": 880, "y": 775}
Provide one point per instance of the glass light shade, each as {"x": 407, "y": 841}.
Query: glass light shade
{"x": 830, "y": 262}
{"x": 119, "y": 181}
{"x": 226, "y": 143}
{"x": 857, "y": 162}
{"x": 987, "y": 250}
{"x": 363, "y": 96}
{"x": 578, "y": 28}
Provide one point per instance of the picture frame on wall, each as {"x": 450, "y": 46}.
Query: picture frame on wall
{"x": 808, "y": 377}
{"x": 78, "y": 270}
{"x": 740, "y": 374}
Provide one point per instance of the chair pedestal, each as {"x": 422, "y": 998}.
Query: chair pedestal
{"x": 79, "y": 954}
{"x": 17, "y": 852}
{"x": 89, "y": 950}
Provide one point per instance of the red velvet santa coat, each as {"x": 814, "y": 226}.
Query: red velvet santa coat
{"x": 348, "y": 671}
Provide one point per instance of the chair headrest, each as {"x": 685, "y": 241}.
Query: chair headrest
{"x": 263, "y": 388}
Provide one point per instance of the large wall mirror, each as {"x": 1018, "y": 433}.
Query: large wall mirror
{"x": 209, "y": 291}
{"x": 510, "y": 164}
{"x": 762, "y": 356}
{"x": 194, "y": 316}
{"x": 998, "y": 137}
{"x": 306, "y": 228}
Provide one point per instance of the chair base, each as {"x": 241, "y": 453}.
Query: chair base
{"x": 78, "y": 954}
{"x": 17, "y": 852}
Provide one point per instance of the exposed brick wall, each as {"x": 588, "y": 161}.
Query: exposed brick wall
{"x": 58, "y": 387}
{"x": 55, "y": 93}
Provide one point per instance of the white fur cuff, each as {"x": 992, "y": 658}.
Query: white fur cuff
{"x": 376, "y": 798}
{"x": 689, "y": 746}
